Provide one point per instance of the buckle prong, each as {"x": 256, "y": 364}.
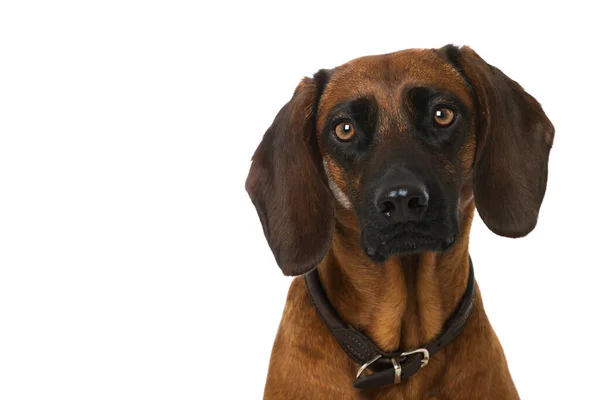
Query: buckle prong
{"x": 425, "y": 353}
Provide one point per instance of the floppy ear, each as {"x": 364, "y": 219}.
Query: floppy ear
{"x": 514, "y": 141}
{"x": 288, "y": 187}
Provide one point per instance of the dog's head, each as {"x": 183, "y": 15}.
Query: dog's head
{"x": 404, "y": 141}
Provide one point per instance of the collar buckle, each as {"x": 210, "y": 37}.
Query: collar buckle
{"x": 424, "y": 360}
{"x": 366, "y": 365}
{"x": 397, "y": 364}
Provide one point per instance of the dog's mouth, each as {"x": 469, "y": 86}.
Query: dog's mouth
{"x": 404, "y": 243}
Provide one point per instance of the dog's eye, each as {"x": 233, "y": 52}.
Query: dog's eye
{"x": 443, "y": 116}
{"x": 344, "y": 131}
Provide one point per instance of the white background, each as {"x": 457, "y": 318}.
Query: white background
{"x": 132, "y": 263}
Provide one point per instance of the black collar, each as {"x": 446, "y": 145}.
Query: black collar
{"x": 388, "y": 368}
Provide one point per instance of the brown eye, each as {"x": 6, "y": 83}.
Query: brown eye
{"x": 443, "y": 116}
{"x": 344, "y": 131}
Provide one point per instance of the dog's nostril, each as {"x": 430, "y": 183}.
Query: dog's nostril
{"x": 417, "y": 203}
{"x": 388, "y": 207}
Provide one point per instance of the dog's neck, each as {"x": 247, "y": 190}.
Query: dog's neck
{"x": 403, "y": 302}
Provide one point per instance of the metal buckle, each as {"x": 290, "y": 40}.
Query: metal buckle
{"x": 425, "y": 353}
{"x": 395, "y": 363}
{"x": 366, "y": 365}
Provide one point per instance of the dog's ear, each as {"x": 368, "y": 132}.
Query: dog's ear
{"x": 288, "y": 186}
{"x": 513, "y": 143}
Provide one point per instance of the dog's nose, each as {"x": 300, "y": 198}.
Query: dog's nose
{"x": 403, "y": 203}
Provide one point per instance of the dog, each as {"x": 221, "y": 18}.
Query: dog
{"x": 371, "y": 174}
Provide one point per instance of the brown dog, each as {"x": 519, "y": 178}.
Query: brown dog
{"x": 371, "y": 173}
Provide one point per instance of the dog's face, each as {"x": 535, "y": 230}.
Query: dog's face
{"x": 404, "y": 141}
{"x": 396, "y": 134}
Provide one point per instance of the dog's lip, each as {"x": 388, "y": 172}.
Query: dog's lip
{"x": 411, "y": 235}
{"x": 448, "y": 241}
{"x": 406, "y": 236}
{"x": 419, "y": 238}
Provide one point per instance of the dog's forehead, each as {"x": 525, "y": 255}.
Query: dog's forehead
{"x": 382, "y": 77}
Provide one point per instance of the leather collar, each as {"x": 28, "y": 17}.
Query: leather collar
{"x": 388, "y": 367}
